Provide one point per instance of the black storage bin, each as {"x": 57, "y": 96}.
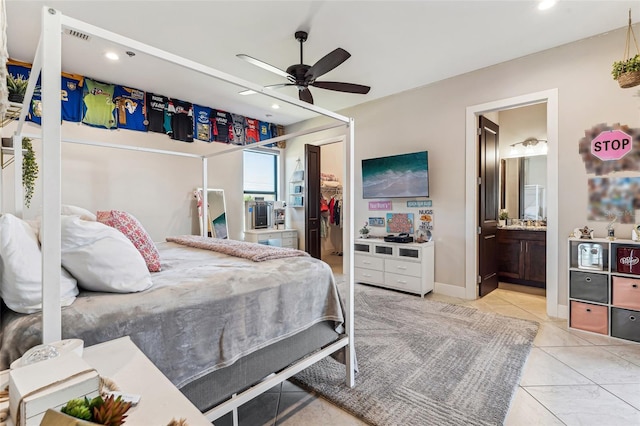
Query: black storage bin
{"x": 625, "y": 324}
{"x": 589, "y": 286}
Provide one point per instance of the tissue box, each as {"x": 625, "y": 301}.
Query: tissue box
{"x": 48, "y": 384}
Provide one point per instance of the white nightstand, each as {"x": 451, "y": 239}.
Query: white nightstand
{"x": 121, "y": 361}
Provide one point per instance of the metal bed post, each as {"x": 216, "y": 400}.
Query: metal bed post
{"x": 51, "y": 175}
{"x": 349, "y": 253}
{"x": 205, "y": 198}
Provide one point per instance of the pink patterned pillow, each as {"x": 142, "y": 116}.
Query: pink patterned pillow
{"x": 133, "y": 230}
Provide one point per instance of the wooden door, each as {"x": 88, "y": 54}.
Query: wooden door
{"x": 312, "y": 201}
{"x": 488, "y": 206}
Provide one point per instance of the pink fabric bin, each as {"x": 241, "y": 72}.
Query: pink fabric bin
{"x": 588, "y": 317}
{"x": 626, "y": 292}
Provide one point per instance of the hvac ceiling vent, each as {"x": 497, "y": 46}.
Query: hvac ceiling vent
{"x": 77, "y": 34}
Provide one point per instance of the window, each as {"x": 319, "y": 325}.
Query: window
{"x": 261, "y": 174}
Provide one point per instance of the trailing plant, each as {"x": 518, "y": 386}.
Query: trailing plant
{"x": 29, "y": 171}
{"x": 625, "y": 66}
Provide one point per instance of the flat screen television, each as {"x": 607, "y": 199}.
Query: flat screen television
{"x": 396, "y": 176}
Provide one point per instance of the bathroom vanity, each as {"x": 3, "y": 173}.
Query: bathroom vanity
{"x": 522, "y": 255}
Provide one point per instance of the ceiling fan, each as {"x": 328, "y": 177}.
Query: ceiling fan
{"x": 302, "y": 76}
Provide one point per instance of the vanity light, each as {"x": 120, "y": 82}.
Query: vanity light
{"x": 112, "y": 56}
{"x": 546, "y": 4}
{"x": 275, "y": 106}
{"x": 528, "y": 147}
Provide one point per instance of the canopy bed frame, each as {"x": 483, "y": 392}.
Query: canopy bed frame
{"x": 48, "y": 61}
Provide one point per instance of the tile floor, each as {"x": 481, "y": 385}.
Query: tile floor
{"x": 570, "y": 378}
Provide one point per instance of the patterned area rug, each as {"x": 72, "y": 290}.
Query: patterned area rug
{"x": 426, "y": 363}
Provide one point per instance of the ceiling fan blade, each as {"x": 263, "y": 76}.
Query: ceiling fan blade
{"x": 327, "y": 63}
{"x": 266, "y": 66}
{"x": 305, "y": 95}
{"x": 270, "y": 86}
{"x": 342, "y": 87}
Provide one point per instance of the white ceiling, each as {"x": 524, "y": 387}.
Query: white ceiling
{"x": 395, "y": 45}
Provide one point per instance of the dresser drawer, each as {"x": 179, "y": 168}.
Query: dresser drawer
{"x": 369, "y": 262}
{"x": 403, "y": 282}
{"x": 290, "y": 242}
{"x": 588, "y": 317}
{"x": 289, "y": 234}
{"x": 589, "y": 286}
{"x": 626, "y": 292}
{"x": 368, "y": 276}
{"x": 402, "y": 267}
{"x": 625, "y": 324}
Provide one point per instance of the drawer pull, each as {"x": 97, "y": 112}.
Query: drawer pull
{"x": 367, "y": 263}
{"x": 588, "y": 279}
{"x": 401, "y": 267}
{"x": 632, "y": 318}
{"x": 588, "y": 309}
{"x": 401, "y": 282}
{"x": 366, "y": 275}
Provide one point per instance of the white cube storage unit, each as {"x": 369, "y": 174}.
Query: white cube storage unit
{"x": 273, "y": 237}
{"x": 400, "y": 266}
{"x": 604, "y": 287}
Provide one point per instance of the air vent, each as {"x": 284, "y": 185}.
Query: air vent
{"x": 77, "y": 34}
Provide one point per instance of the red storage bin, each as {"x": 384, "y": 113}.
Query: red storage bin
{"x": 628, "y": 260}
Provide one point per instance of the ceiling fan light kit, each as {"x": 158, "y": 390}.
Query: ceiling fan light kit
{"x": 302, "y": 76}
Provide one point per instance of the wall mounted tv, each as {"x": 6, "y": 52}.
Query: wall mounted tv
{"x": 396, "y": 176}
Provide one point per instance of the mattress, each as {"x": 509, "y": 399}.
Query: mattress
{"x": 204, "y": 311}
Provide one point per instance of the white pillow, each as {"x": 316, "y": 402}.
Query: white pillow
{"x": 101, "y": 258}
{"x": 67, "y": 210}
{"x": 21, "y": 276}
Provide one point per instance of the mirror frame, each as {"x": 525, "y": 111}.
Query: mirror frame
{"x": 219, "y": 224}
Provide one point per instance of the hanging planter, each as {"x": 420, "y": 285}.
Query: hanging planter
{"x": 627, "y": 71}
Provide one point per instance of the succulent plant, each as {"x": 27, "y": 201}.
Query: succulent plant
{"x": 17, "y": 86}
{"x": 77, "y": 408}
{"x": 111, "y": 411}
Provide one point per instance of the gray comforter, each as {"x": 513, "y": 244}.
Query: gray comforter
{"x": 204, "y": 311}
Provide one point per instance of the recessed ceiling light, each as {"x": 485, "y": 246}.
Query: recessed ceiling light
{"x": 546, "y": 4}
{"x": 111, "y": 55}
{"x": 275, "y": 106}
{"x": 246, "y": 92}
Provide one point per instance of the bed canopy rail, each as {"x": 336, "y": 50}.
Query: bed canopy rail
{"x": 47, "y": 61}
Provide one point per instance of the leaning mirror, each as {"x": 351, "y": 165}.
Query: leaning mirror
{"x": 216, "y": 213}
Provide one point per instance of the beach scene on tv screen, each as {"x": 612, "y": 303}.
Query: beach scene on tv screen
{"x": 396, "y": 176}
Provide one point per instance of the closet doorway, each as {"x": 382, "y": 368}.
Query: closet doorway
{"x": 328, "y": 209}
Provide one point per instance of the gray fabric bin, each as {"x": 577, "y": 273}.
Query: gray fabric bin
{"x": 625, "y": 324}
{"x": 589, "y": 286}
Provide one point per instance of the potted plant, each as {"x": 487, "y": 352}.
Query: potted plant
{"x": 627, "y": 72}
{"x": 364, "y": 231}
{"x": 17, "y": 87}
{"x": 502, "y": 217}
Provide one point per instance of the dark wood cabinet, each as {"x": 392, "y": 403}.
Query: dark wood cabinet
{"x": 522, "y": 257}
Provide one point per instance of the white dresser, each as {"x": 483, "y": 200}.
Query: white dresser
{"x": 402, "y": 266}
{"x": 273, "y": 237}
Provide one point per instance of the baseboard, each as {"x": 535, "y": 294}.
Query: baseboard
{"x": 563, "y": 311}
{"x": 450, "y": 290}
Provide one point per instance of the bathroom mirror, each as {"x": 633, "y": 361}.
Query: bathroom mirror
{"x": 216, "y": 213}
{"x": 523, "y": 187}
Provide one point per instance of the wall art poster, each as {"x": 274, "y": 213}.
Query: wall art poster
{"x": 611, "y": 198}
{"x": 426, "y": 219}
{"x": 376, "y": 221}
{"x": 398, "y": 223}
{"x": 379, "y": 205}
{"x": 600, "y": 140}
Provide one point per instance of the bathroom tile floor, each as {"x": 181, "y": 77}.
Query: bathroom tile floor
{"x": 570, "y": 378}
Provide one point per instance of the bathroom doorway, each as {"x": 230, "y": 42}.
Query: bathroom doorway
{"x": 550, "y": 97}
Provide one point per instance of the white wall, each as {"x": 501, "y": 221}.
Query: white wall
{"x": 157, "y": 189}
{"x": 433, "y": 118}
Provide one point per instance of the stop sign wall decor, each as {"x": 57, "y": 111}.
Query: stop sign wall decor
{"x": 611, "y": 145}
